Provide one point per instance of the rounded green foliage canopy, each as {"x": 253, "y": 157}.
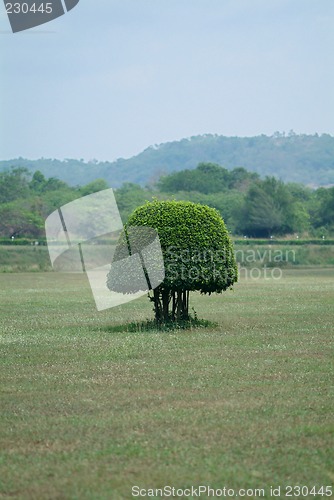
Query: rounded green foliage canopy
{"x": 197, "y": 249}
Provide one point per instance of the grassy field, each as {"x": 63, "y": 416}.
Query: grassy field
{"x": 89, "y": 410}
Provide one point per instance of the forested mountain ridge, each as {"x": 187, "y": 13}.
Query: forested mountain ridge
{"x": 307, "y": 159}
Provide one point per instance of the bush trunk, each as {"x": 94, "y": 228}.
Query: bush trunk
{"x": 170, "y": 305}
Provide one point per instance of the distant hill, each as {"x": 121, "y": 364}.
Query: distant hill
{"x": 307, "y": 159}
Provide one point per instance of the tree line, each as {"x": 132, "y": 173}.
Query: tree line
{"x": 26, "y": 200}
{"x": 250, "y": 205}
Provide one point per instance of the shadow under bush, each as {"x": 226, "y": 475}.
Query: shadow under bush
{"x": 152, "y": 325}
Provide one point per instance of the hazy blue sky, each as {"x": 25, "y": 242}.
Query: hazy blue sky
{"x": 112, "y": 77}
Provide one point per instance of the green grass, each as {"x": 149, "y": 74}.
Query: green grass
{"x": 90, "y": 408}
{"x": 24, "y": 259}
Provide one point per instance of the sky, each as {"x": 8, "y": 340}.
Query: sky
{"x": 113, "y": 77}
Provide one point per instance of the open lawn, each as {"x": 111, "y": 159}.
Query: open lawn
{"x": 89, "y": 410}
